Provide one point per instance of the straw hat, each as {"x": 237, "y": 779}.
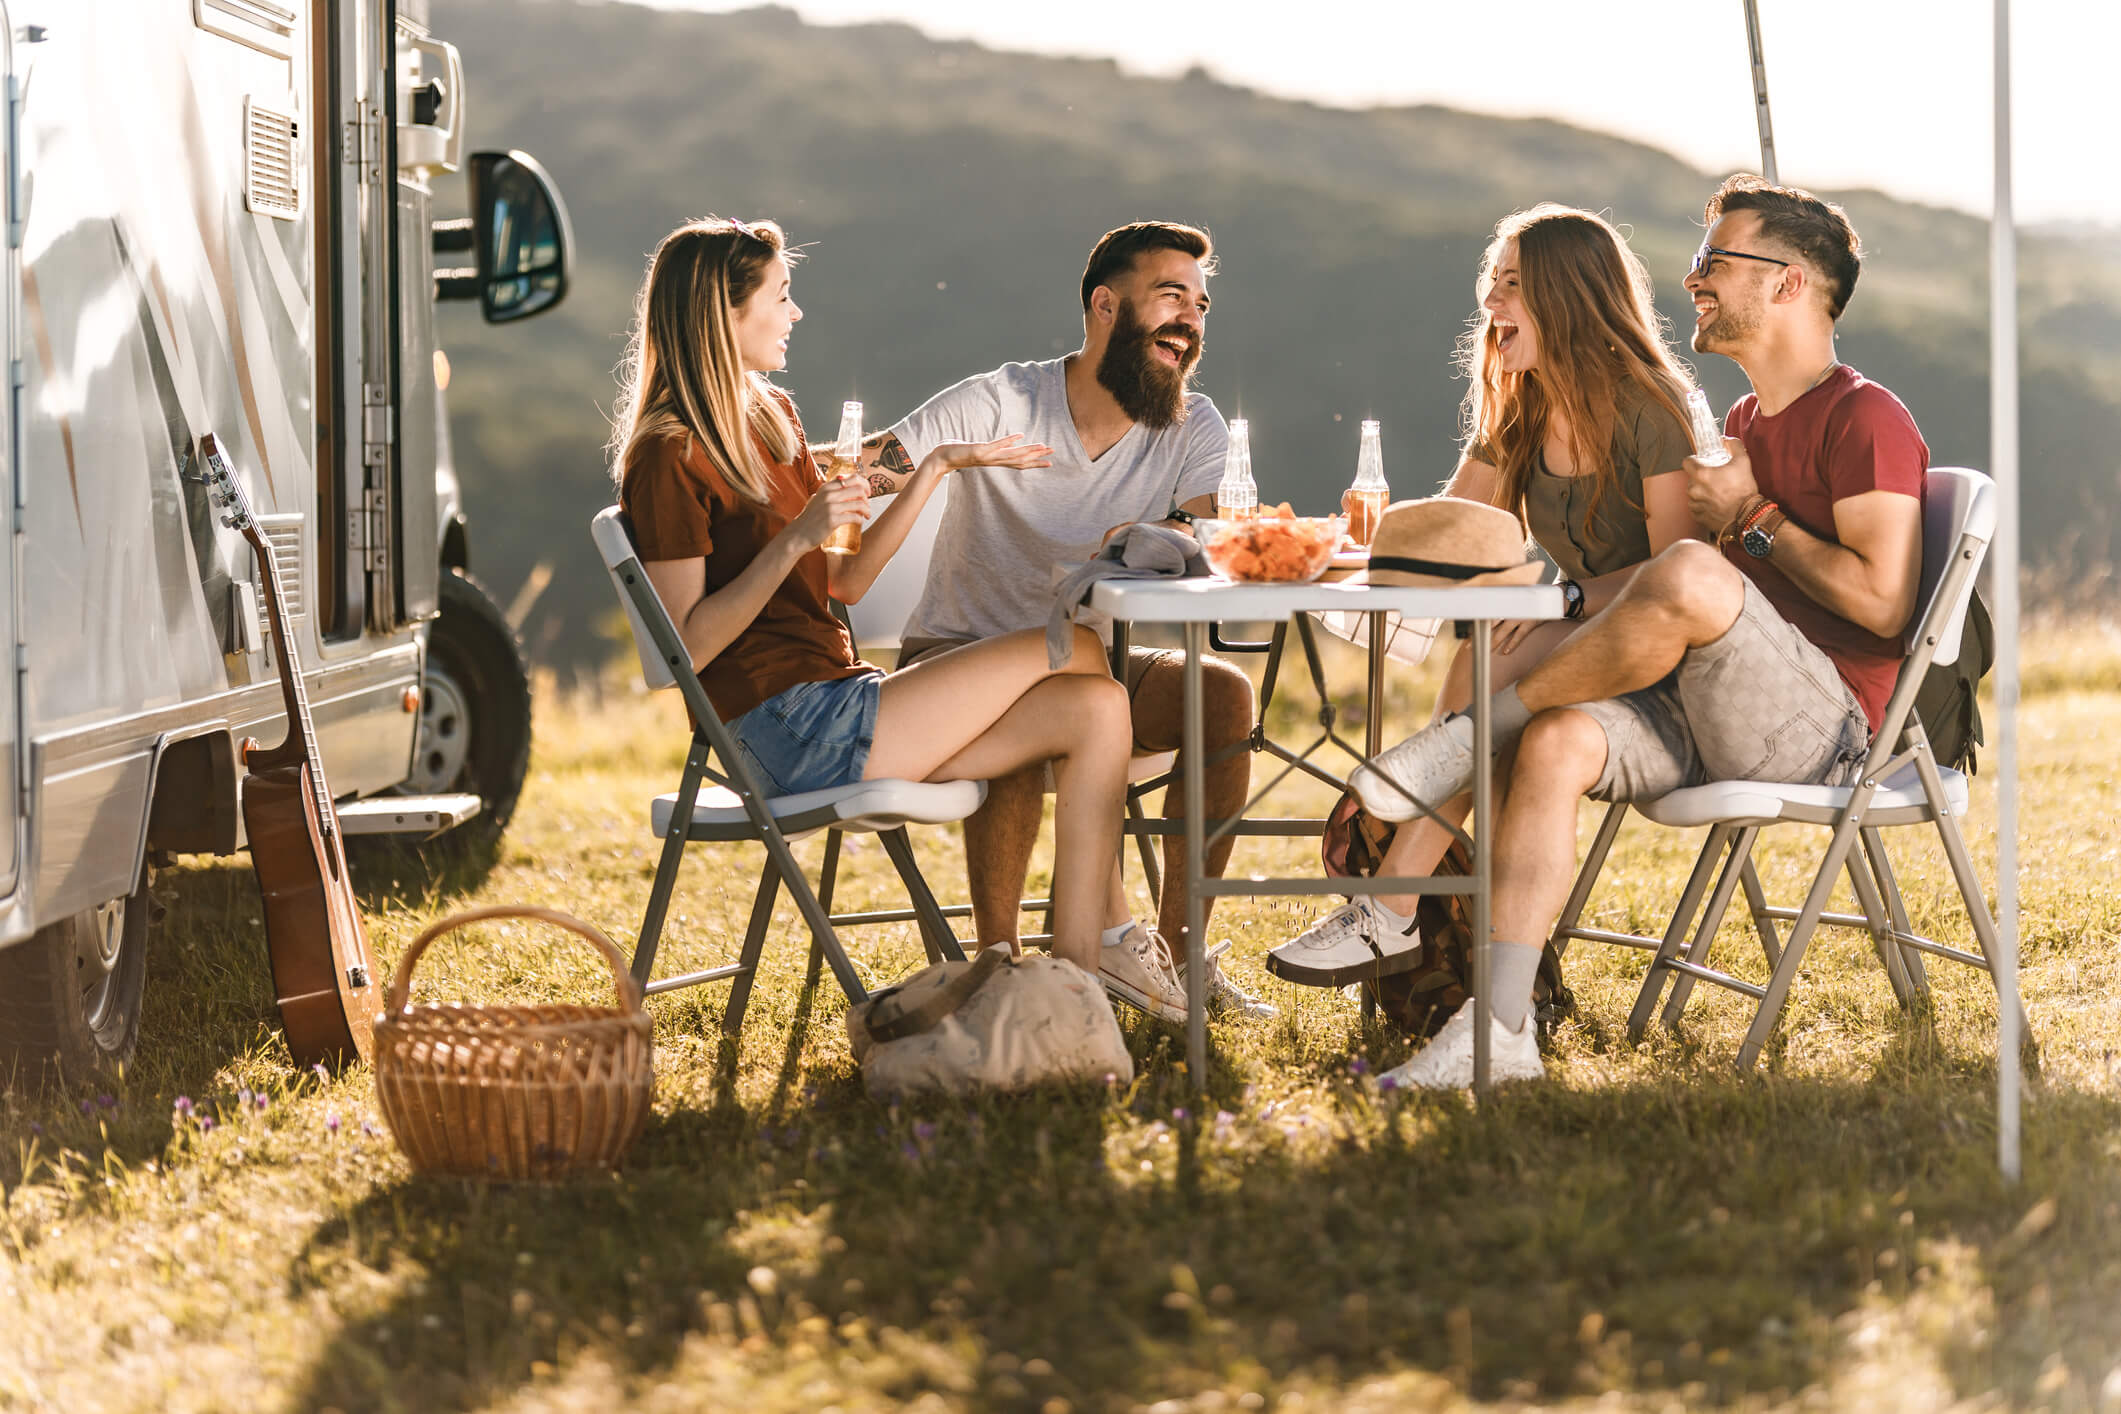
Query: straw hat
{"x": 1447, "y": 540}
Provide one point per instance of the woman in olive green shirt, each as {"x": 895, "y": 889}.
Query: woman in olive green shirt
{"x": 1575, "y": 423}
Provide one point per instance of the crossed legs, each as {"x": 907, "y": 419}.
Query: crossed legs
{"x": 984, "y": 712}
{"x": 1000, "y": 837}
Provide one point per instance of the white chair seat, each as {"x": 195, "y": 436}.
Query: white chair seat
{"x": 1898, "y": 801}
{"x": 866, "y": 806}
{"x": 1148, "y": 768}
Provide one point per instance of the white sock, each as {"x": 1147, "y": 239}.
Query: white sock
{"x": 1393, "y": 918}
{"x": 1117, "y": 934}
{"x": 1512, "y": 969}
{"x": 1507, "y": 718}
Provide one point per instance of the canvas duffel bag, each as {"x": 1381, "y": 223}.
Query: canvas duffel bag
{"x": 994, "y": 1023}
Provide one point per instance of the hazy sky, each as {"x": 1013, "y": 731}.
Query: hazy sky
{"x": 1887, "y": 93}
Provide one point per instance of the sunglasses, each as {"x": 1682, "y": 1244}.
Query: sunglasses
{"x": 1708, "y": 252}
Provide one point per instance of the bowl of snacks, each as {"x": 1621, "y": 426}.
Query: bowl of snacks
{"x": 1276, "y": 547}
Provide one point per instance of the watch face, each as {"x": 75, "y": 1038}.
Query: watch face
{"x": 1757, "y": 543}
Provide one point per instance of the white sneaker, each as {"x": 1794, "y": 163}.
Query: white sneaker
{"x": 1226, "y": 998}
{"x": 1446, "y": 1063}
{"x": 1353, "y": 943}
{"x": 1432, "y": 766}
{"x": 1138, "y": 971}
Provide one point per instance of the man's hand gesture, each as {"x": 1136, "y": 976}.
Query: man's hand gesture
{"x": 1715, "y": 494}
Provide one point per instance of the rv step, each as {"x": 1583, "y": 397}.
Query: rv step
{"x": 421, "y": 815}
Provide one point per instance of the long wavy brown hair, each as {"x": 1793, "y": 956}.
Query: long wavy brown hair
{"x": 1600, "y": 339}
{"x": 682, "y": 375}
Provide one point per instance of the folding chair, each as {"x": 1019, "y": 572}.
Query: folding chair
{"x": 1901, "y": 785}
{"x": 734, "y": 808}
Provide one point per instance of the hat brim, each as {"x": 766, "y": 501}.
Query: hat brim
{"x": 1526, "y": 573}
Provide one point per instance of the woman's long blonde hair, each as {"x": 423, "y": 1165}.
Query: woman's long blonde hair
{"x": 682, "y": 375}
{"x": 1589, "y": 298}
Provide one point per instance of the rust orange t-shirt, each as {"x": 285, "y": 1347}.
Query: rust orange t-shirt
{"x": 682, "y": 508}
{"x": 1840, "y": 439}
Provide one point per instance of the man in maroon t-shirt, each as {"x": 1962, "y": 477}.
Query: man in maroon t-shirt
{"x": 1765, "y": 651}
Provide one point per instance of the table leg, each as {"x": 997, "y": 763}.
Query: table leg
{"x": 1373, "y": 741}
{"x": 1483, "y": 837}
{"x": 1194, "y": 743}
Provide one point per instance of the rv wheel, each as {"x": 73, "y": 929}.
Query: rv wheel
{"x": 70, "y": 993}
{"x": 475, "y": 707}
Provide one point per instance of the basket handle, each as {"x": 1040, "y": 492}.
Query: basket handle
{"x": 622, "y": 980}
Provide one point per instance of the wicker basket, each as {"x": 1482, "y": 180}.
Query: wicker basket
{"x": 513, "y": 1092}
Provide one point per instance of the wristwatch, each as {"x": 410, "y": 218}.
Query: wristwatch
{"x": 1571, "y": 599}
{"x": 1181, "y": 515}
{"x": 1758, "y": 538}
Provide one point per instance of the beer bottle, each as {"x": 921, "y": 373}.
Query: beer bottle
{"x": 846, "y": 456}
{"x": 1363, "y": 502}
{"x": 1237, "y": 498}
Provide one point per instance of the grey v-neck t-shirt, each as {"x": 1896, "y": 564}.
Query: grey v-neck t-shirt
{"x": 1003, "y": 532}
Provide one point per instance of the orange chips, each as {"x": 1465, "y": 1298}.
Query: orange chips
{"x": 1279, "y": 548}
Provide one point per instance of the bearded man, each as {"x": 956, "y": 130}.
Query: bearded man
{"x": 1131, "y": 441}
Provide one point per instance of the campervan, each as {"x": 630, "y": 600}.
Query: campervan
{"x": 219, "y": 220}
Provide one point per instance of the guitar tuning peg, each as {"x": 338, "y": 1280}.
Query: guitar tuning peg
{"x": 229, "y": 521}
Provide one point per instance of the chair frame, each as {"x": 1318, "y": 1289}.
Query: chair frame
{"x": 711, "y": 741}
{"x": 1856, "y": 846}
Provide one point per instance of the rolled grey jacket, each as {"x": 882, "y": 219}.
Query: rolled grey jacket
{"x": 1141, "y": 551}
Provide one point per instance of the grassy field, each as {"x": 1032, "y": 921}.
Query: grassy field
{"x": 1646, "y": 1229}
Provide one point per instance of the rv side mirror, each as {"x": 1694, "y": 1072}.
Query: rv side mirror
{"x": 521, "y": 236}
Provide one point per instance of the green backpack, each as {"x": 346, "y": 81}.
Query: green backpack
{"x": 1948, "y": 703}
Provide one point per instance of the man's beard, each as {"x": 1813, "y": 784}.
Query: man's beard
{"x": 1731, "y": 330}
{"x": 1147, "y": 390}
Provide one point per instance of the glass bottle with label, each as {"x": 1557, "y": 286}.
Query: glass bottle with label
{"x": 1237, "y": 498}
{"x": 846, "y": 456}
{"x": 1708, "y": 433}
{"x": 1363, "y": 502}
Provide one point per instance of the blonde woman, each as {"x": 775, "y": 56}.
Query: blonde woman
{"x": 730, "y": 510}
{"x": 1575, "y": 423}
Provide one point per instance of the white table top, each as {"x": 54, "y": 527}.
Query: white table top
{"x": 1178, "y": 601}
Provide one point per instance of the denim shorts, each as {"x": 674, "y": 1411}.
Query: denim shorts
{"x": 1761, "y": 703}
{"x": 813, "y": 736}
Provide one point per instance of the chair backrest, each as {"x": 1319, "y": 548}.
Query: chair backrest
{"x": 614, "y": 537}
{"x": 879, "y": 620}
{"x": 1958, "y": 504}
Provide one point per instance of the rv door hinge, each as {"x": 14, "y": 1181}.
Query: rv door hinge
{"x": 15, "y": 213}
{"x": 375, "y": 509}
{"x": 361, "y": 139}
{"x": 17, "y": 384}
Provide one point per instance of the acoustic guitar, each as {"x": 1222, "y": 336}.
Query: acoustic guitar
{"x": 324, "y": 975}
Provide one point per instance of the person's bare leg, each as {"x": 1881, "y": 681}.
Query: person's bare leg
{"x": 999, "y": 838}
{"x": 936, "y": 706}
{"x": 1686, "y": 597}
{"x": 1420, "y": 843}
{"x": 1227, "y": 708}
{"x": 1078, "y": 722}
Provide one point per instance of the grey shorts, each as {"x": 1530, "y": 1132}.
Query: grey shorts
{"x": 1761, "y": 703}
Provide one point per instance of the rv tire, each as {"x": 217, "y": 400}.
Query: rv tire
{"x": 475, "y": 662}
{"x": 70, "y": 993}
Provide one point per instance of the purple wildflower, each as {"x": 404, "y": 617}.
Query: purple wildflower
{"x": 331, "y": 1122}
{"x": 87, "y": 1105}
{"x": 1181, "y": 1115}
{"x": 924, "y": 1131}
{"x": 1387, "y": 1084}
{"x": 259, "y": 1099}
{"x": 912, "y": 1154}
{"x": 1110, "y": 1080}
{"x": 323, "y": 1075}
{"x": 106, "y": 1102}
{"x": 206, "y": 1122}
{"x": 182, "y": 1105}
{"x": 36, "y": 1128}
{"x": 1358, "y": 1066}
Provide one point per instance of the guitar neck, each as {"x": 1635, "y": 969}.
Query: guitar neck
{"x": 292, "y": 692}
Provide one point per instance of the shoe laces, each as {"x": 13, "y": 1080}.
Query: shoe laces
{"x": 1156, "y": 961}
{"x": 1350, "y": 918}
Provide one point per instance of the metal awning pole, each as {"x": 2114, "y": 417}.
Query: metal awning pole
{"x": 1760, "y": 103}
{"x": 2003, "y": 459}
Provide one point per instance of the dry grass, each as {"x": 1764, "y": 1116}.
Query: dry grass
{"x": 1647, "y": 1228}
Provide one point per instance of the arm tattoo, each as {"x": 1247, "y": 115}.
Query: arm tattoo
{"x": 892, "y": 465}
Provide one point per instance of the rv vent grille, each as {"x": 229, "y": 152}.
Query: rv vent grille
{"x": 262, "y": 24}
{"x": 269, "y": 185}
{"x": 284, "y": 534}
